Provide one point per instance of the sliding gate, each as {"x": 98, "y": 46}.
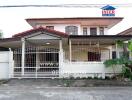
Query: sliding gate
{"x": 40, "y": 62}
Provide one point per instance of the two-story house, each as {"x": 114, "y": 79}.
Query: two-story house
{"x": 63, "y": 47}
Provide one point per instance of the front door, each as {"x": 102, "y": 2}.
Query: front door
{"x": 94, "y": 56}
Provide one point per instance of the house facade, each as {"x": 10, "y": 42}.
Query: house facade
{"x": 62, "y": 47}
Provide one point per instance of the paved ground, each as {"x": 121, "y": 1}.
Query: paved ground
{"x": 38, "y": 91}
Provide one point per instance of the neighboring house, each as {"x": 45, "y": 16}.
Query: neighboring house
{"x": 126, "y": 32}
{"x": 61, "y": 47}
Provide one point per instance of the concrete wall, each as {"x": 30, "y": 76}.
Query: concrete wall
{"x": 67, "y": 69}
{"x": 6, "y": 60}
{"x": 87, "y": 69}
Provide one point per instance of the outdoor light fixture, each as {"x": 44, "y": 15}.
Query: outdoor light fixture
{"x": 47, "y": 43}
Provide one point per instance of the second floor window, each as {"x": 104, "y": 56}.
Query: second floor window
{"x": 50, "y": 27}
{"x": 101, "y": 30}
{"x": 73, "y": 30}
{"x": 85, "y": 31}
{"x": 93, "y": 31}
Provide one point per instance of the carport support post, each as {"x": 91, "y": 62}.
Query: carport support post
{"x": 60, "y": 57}
{"x": 117, "y": 53}
{"x": 23, "y": 55}
{"x": 70, "y": 52}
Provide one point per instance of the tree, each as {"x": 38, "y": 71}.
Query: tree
{"x": 126, "y": 47}
{"x": 124, "y": 60}
{"x": 1, "y": 34}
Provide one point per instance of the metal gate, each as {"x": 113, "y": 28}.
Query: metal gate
{"x": 40, "y": 62}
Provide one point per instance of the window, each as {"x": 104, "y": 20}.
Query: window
{"x": 50, "y": 27}
{"x": 101, "y": 30}
{"x": 113, "y": 54}
{"x": 85, "y": 31}
{"x": 120, "y": 54}
{"x": 93, "y": 31}
{"x": 73, "y": 30}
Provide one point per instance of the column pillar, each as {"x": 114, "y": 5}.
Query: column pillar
{"x": 60, "y": 45}
{"x": 70, "y": 51}
{"x": 37, "y": 63}
{"x": 60, "y": 58}
{"x": 117, "y": 53}
{"x": 23, "y": 56}
{"x": 11, "y": 64}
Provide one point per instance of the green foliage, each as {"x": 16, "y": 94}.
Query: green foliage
{"x": 1, "y": 34}
{"x": 78, "y": 78}
{"x": 123, "y": 61}
{"x": 71, "y": 77}
{"x": 130, "y": 45}
{"x": 107, "y": 78}
{"x": 89, "y": 77}
{"x": 67, "y": 82}
{"x": 126, "y": 72}
{"x": 95, "y": 77}
{"x": 119, "y": 43}
{"x": 113, "y": 62}
{"x": 118, "y": 61}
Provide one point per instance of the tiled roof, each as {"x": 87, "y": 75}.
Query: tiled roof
{"x": 32, "y": 31}
{"x": 73, "y": 18}
{"x": 126, "y": 32}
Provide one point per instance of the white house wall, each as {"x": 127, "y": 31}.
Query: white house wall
{"x": 61, "y": 27}
{"x": 98, "y": 33}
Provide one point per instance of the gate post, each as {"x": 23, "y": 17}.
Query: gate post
{"x": 23, "y": 56}
{"x": 11, "y": 64}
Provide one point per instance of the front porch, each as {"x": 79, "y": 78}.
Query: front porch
{"x": 84, "y": 56}
{"x": 64, "y": 58}
{"x": 43, "y": 54}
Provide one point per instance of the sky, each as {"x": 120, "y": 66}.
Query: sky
{"x": 12, "y": 20}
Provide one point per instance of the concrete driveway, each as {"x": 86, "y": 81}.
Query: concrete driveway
{"x": 35, "y": 91}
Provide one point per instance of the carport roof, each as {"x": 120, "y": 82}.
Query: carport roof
{"x": 34, "y": 30}
{"x": 102, "y": 39}
{"x": 101, "y": 36}
{"x": 15, "y": 40}
{"x": 18, "y": 37}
